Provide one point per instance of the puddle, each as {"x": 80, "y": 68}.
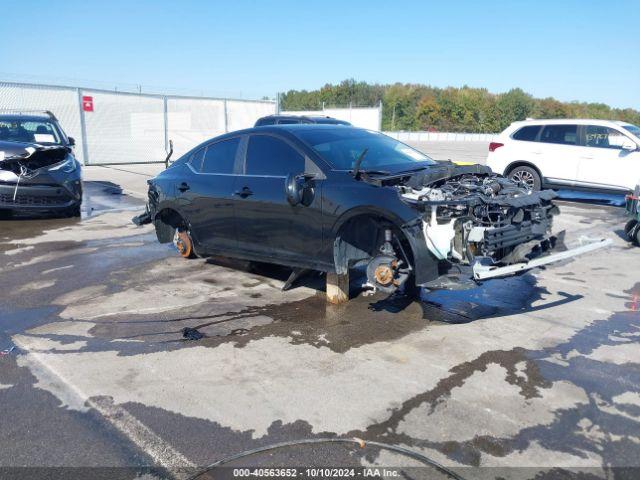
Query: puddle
{"x": 308, "y": 321}
{"x": 98, "y": 198}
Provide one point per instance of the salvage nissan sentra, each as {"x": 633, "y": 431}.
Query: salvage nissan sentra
{"x": 331, "y": 198}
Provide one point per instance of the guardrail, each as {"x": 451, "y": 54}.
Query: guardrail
{"x": 442, "y": 136}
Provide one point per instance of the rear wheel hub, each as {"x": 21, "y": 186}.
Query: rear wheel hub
{"x": 183, "y": 243}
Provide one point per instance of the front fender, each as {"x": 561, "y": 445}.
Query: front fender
{"x": 365, "y": 210}
{"x": 425, "y": 264}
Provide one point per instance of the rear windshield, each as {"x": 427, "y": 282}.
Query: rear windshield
{"x": 340, "y": 147}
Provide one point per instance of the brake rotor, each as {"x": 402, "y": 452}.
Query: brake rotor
{"x": 183, "y": 243}
{"x": 381, "y": 272}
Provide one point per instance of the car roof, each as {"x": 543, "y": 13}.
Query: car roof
{"x": 312, "y": 118}
{"x": 326, "y": 119}
{"x": 288, "y": 130}
{"x": 33, "y": 118}
{"x": 297, "y": 127}
{"x": 564, "y": 121}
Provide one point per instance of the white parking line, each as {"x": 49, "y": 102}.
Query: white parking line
{"x": 143, "y": 437}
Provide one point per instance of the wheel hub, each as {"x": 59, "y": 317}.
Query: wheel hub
{"x": 525, "y": 178}
{"x": 383, "y": 274}
{"x": 183, "y": 244}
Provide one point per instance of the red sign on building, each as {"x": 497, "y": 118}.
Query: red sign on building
{"x": 87, "y": 104}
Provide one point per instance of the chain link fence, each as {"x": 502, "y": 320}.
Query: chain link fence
{"x": 129, "y": 128}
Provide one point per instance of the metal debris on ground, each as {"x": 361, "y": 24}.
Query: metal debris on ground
{"x": 7, "y": 351}
{"x": 191, "y": 334}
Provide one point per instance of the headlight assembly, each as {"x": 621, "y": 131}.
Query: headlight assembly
{"x": 67, "y": 166}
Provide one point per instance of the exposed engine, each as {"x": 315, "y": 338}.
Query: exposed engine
{"x": 480, "y": 214}
{"x": 21, "y": 159}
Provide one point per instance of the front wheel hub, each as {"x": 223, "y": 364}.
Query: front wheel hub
{"x": 384, "y": 273}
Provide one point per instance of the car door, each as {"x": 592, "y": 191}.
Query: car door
{"x": 207, "y": 196}
{"x": 557, "y": 153}
{"x": 603, "y": 161}
{"x": 267, "y": 225}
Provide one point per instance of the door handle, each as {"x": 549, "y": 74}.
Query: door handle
{"x": 585, "y": 157}
{"x": 244, "y": 193}
{"x": 183, "y": 187}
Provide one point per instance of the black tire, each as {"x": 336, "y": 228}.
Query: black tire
{"x": 73, "y": 211}
{"x": 635, "y": 235}
{"x": 527, "y": 176}
{"x": 628, "y": 228}
{"x": 6, "y": 214}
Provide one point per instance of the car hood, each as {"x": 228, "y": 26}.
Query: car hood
{"x": 429, "y": 174}
{"x": 447, "y": 182}
{"x": 25, "y": 158}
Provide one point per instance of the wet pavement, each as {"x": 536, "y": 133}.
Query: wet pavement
{"x": 538, "y": 371}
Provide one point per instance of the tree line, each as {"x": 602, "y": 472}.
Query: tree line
{"x": 407, "y": 106}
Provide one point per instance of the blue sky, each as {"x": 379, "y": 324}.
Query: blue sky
{"x": 572, "y": 50}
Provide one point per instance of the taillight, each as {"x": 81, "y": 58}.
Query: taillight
{"x": 493, "y": 146}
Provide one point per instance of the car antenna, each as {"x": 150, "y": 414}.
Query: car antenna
{"x": 356, "y": 165}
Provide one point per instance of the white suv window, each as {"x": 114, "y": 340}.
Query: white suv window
{"x": 603, "y": 137}
{"x": 560, "y": 134}
{"x": 528, "y": 133}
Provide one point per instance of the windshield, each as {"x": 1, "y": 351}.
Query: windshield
{"x": 632, "y": 129}
{"x": 29, "y": 131}
{"x": 341, "y": 147}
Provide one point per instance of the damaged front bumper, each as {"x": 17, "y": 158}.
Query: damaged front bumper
{"x": 27, "y": 196}
{"x": 484, "y": 270}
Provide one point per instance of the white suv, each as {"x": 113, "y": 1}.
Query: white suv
{"x": 585, "y": 154}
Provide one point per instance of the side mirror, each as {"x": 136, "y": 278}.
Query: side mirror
{"x": 299, "y": 189}
{"x": 72, "y": 141}
{"x": 629, "y": 146}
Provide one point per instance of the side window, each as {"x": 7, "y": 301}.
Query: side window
{"x": 196, "y": 159}
{"x": 267, "y": 155}
{"x": 603, "y": 137}
{"x": 288, "y": 121}
{"x": 221, "y": 156}
{"x": 561, "y": 134}
{"x": 527, "y": 134}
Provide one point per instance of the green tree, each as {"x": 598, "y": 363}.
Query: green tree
{"x": 409, "y": 106}
{"x": 428, "y": 113}
{"x": 513, "y": 106}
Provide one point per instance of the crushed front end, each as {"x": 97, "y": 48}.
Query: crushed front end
{"x": 476, "y": 214}
{"x": 37, "y": 177}
{"x": 479, "y": 225}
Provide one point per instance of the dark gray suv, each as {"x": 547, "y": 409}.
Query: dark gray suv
{"x": 38, "y": 170}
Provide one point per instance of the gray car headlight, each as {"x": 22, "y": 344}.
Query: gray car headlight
{"x": 67, "y": 166}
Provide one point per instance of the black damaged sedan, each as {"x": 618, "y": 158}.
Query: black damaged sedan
{"x": 330, "y": 198}
{"x": 38, "y": 171}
